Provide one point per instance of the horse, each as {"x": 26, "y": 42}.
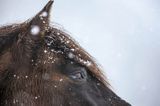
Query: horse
{"x": 41, "y": 65}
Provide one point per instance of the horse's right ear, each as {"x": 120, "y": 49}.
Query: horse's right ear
{"x": 8, "y": 35}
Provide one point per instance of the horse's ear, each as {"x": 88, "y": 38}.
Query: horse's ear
{"x": 40, "y": 23}
{"x": 8, "y": 35}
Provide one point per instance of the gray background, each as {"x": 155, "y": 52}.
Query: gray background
{"x": 123, "y": 36}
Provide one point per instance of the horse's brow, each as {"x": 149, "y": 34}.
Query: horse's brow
{"x": 81, "y": 56}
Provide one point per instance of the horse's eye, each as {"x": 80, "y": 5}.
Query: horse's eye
{"x": 79, "y": 75}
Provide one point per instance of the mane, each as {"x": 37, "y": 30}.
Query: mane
{"x": 76, "y": 53}
{"x": 79, "y": 54}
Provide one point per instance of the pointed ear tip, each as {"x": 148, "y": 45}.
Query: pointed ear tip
{"x": 44, "y": 14}
{"x": 48, "y": 5}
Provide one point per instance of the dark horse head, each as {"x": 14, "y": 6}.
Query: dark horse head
{"x": 41, "y": 65}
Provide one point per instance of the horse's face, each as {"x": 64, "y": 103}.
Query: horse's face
{"x": 43, "y": 66}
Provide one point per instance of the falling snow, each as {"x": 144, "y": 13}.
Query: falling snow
{"x": 67, "y": 41}
{"x": 72, "y": 50}
{"x": 71, "y": 55}
{"x": 58, "y": 33}
{"x": 36, "y": 97}
{"x": 44, "y": 22}
{"x": 44, "y": 14}
{"x": 26, "y": 76}
{"x": 61, "y": 80}
{"x": 98, "y": 84}
{"x": 35, "y": 30}
{"x": 45, "y": 51}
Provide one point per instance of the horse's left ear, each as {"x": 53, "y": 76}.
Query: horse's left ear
{"x": 39, "y": 25}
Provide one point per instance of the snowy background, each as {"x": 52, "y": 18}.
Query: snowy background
{"x": 123, "y": 35}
